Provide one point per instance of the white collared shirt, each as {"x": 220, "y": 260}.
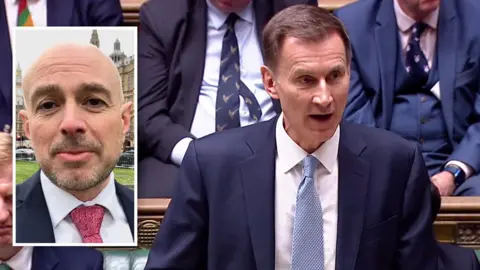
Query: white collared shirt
{"x": 114, "y": 229}
{"x": 251, "y": 60}
{"x": 428, "y": 38}
{"x": 37, "y": 8}
{"x": 22, "y": 260}
{"x": 288, "y": 175}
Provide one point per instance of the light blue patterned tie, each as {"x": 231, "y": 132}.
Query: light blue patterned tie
{"x": 307, "y": 240}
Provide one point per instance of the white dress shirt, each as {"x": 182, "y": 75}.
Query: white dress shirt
{"x": 114, "y": 229}
{"x": 37, "y": 8}
{"x": 249, "y": 47}
{"x": 288, "y": 175}
{"x": 22, "y": 260}
{"x": 428, "y": 41}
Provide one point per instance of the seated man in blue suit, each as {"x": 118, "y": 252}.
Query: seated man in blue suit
{"x": 35, "y": 258}
{"x": 46, "y": 13}
{"x": 76, "y": 119}
{"x": 302, "y": 191}
{"x": 415, "y": 72}
{"x": 187, "y": 88}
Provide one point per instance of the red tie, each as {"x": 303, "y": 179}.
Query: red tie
{"x": 88, "y": 220}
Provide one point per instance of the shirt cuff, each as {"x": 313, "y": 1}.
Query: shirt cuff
{"x": 179, "y": 151}
{"x": 465, "y": 168}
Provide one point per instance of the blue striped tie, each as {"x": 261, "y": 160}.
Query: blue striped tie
{"x": 307, "y": 240}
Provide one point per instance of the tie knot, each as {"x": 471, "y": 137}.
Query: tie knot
{"x": 310, "y": 163}
{"x": 418, "y": 28}
{"x": 88, "y": 220}
{"x": 231, "y": 20}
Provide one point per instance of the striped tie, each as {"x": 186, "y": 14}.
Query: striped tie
{"x": 24, "y": 17}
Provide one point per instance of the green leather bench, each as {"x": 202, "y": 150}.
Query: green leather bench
{"x": 124, "y": 259}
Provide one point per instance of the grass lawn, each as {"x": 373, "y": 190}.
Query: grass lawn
{"x": 25, "y": 169}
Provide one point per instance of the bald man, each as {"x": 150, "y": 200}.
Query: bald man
{"x": 76, "y": 120}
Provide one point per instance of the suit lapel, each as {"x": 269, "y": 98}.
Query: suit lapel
{"x": 258, "y": 179}
{"x": 59, "y": 12}
{"x": 386, "y": 42}
{"x": 447, "y": 48}
{"x": 33, "y": 220}
{"x": 192, "y": 62}
{"x": 127, "y": 202}
{"x": 44, "y": 258}
{"x": 352, "y": 193}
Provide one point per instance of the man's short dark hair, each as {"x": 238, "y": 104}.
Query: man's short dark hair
{"x": 304, "y": 22}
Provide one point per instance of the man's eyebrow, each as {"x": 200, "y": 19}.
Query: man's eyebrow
{"x": 45, "y": 90}
{"x": 95, "y": 88}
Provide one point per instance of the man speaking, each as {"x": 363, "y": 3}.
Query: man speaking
{"x": 302, "y": 191}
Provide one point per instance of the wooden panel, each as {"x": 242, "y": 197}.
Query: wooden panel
{"x": 458, "y": 221}
{"x": 132, "y": 7}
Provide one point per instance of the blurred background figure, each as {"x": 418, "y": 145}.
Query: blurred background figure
{"x": 199, "y": 73}
{"x": 425, "y": 84}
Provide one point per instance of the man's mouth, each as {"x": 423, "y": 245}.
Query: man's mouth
{"x": 321, "y": 117}
{"x": 75, "y": 155}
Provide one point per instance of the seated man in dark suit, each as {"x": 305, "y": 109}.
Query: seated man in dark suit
{"x": 415, "y": 72}
{"x": 76, "y": 119}
{"x": 46, "y": 13}
{"x": 199, "y": 72}
{"x": 35, "y": 258}
{"x": 302, "y": 191}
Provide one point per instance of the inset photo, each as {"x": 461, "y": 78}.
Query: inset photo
{"x": 75, "y": 139}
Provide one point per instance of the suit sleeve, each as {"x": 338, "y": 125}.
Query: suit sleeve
{"x": 181, "y": 242}
{"x": 417, "y": 248}
{"x": 359, "y": 108}
{"x": 467, "y": 151}
{"x": 157, "y": 132}
{"x": 106, "y": 13}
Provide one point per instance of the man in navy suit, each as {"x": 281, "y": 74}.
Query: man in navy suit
{"x": 37, "y": 258}
{"x": 186, "y": 86}
{"x": 76, "y": 119}
{"x": 301, "y": 191}
{"x": 47, "y": 13}
{"x": 415, "y": 71}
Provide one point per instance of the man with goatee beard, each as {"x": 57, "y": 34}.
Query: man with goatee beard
{"x": 38, "y": 258}
{"x": 76, "y": 119}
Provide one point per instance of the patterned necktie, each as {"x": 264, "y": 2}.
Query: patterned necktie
{"x": 415, "y": 60}
{"x": 307, "y": 240}
{"x": 24, "y": 18}
{"x": 5, "y": 266}
{"x": 230, "y": 87}
{"x": 88, "y": 220}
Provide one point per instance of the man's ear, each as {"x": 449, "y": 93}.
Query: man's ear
{"x": 26, "y": 125}
{"x": 126, "y": 113}
{"x": 269, "y": 81}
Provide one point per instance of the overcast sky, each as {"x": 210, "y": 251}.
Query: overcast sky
{"x": 31, "y": 42}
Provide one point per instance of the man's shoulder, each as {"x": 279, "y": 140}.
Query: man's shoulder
{"x": 73, "y": 255}
{"x": 349, "y": 15}
{"x": 232, "y": 141}
{"x": 167, "y": 7}
{"x": 378, "y": 139}
{"x": 22, "y": 189}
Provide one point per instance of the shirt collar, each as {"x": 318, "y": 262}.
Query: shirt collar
{"x": 290, "y": 154}
{"x": 217, "y": 17}
{"x": 58, "y": 211}
{"x": 404, "y": 22}
{"x": 21, "y": 260}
